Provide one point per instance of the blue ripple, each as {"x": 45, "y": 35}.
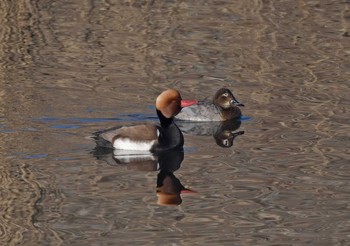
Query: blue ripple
{"x": 245, "y": 118}
{"x": 65, "y": 126}
{"x": 35, "y": 156}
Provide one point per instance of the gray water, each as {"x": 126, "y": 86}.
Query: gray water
{"x": 70, "y": 68}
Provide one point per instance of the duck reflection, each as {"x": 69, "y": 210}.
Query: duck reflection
{"x": 223, "y": 132}
{"x": 169, "y": 188}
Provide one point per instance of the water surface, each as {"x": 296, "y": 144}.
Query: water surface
{"x": 70, "y": 68}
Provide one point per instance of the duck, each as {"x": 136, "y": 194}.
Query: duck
{"x": 224, "y": 106}
{"x": 149, "y": 137}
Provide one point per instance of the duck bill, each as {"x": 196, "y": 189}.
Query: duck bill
{"x": 187, "y": 103}
{"x": 235, "y": 102}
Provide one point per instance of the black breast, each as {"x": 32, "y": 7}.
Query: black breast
{"x": 170, "y": 137}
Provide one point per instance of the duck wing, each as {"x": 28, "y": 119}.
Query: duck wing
{"x": 138, "y": 134}
{"x": 203, "y": 111}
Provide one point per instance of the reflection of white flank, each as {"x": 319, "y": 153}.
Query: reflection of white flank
{"x": 127, "y": 144}
{"x": 123, "y": 152}
{"x": 127, "y": 156}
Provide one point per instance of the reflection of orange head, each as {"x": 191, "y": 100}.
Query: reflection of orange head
{"x": 169, "y": 192}
{"x": 169, "y": 189}
{"x": 168, "y": 199}
{"x": 165, "y": 198}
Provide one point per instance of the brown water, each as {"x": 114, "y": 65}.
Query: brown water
{"x": 69, "y": 68}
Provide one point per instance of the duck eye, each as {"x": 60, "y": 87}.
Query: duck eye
{"x": 225, "y": 94}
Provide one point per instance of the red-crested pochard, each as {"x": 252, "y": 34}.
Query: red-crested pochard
{"x": 224, "y": 106}
{"x": 150, "y": 137}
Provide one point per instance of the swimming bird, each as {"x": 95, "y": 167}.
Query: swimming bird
{"x": 224, "y": 106}
{"x": 149, "y": 137}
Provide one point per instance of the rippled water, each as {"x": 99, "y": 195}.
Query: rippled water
{"x": 70, "y": 68}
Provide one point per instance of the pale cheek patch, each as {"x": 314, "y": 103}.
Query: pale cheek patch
{"x": 127, "y": 144}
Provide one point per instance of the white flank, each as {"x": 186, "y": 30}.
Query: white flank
{"x": 127, "y": 144}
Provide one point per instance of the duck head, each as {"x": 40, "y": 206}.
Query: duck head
{"x": 224, "y": 98}
{"x": 169, "y": 103}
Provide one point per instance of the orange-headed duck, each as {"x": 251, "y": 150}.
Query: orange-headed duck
{"x": 150, "y": 137}
{"x": 224, "y": 106}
